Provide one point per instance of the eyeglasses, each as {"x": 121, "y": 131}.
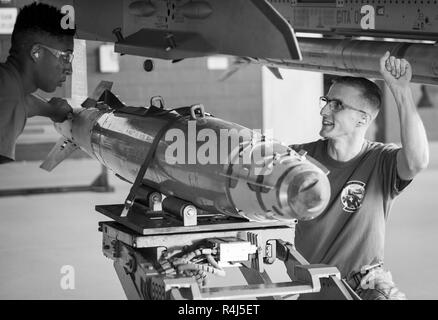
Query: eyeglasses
{"x": 64, "y": 56}
{"x": 337, "y": 106}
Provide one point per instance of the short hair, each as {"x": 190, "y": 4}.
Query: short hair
{"x": 37, "y": 19}
{"x": 370, "y": 91}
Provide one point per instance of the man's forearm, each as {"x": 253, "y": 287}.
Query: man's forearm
{"x": 38, "y": 107}
{"x": 415, "y": 151}
{"x": 57, "y": 109}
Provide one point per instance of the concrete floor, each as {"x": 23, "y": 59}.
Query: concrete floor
{"x": 40, "y": 234}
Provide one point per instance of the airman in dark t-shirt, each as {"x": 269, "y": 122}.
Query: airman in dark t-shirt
{"x": 364, "y": 176}
{"x": 350, "y": 233}
{"x": 40, "y": 58}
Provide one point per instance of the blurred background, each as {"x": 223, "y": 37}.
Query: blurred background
{"x": 42, "y": 233}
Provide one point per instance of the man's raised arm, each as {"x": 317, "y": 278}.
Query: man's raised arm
{"x": 414, "y": 155}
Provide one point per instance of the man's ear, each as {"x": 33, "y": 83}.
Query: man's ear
{"x": 35, "y": 52}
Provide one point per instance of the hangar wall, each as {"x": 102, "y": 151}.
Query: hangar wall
{"x": 426, "y": 98}
{"x": 187, "y": 82}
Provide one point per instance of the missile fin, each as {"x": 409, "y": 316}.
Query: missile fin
{"x": 276, "y": 72}
{"x": 238, "y": 63}
{"x": 100, "y": 89}
{"x": 283, "y": 27}
{"x": 229, "y": 73}
{"x": 91, "y": 101}
{"x": 62, "y": 150}
{"x": 235, "y": 27}
{"x": 111, "y": 100}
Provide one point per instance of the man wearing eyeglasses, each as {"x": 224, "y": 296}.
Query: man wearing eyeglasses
{"x": 365, "y": 177}
{"x": 40, "y": 58}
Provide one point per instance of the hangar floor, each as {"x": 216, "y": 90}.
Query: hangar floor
{"x": 40, "y": 234}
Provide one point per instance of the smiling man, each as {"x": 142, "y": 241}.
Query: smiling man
{"x": 40, "y": 58}
{"x": 365, "y": 177}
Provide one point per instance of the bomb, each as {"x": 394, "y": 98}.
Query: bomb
{"x": 216, "y": 165}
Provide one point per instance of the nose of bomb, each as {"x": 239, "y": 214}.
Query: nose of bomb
{"x": 288, "y": 187}
{"x": 308, "y": 191}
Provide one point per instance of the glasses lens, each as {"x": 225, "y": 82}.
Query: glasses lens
{"x": 336, "y": 105}
{"x": 323, "y": 102}
{"x": 67, "y": 57}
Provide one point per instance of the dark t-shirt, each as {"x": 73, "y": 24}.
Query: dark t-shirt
{"x": 350, "y": 233}
{"x": 13, "y": 112}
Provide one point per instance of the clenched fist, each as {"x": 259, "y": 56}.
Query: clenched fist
{"x": 60, "y": 110}
{"x": 396, "y": 72}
